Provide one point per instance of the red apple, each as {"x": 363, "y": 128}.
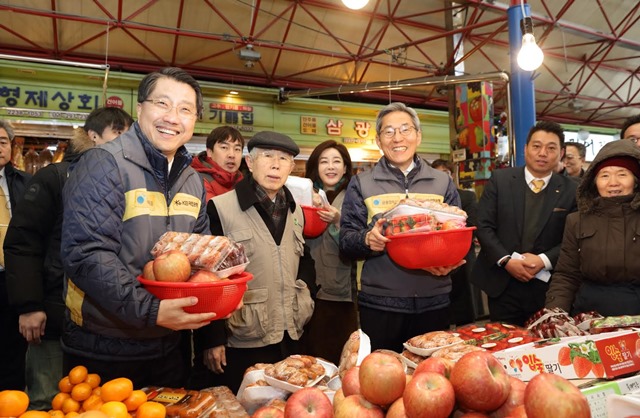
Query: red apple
{"x": 357, "y": 406}
{"x": 268, "y": 412}
{"x": 515, "y": 398}
{"x": 519, "y": 412}
{"x": 308, "y": 403}
{"x": 172, "y": 266}
{"x": 204, "y": 276}
{"x": 429, "y": 391}
{"x": 147, "y": 271}
{"x": 396, "y": 410}
{"x": 549, "y": 395}
{"x": 435, "y": 364}
{"x": 351, "y": 382}
{"x": 480, "y": 382}
{"x": 473, "y": 415}
{"x": 382, "y": 378}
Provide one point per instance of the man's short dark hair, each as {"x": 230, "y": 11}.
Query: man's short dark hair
{"x": 148, "y": 83}
{"x": 107, "y": 117}
{"x": 628, "y": 122}
{"x": 582, "y": 150}
{"x": 221, "y": 133}
{"x": 443, "y": 163}
{"x": 547, "y": 126}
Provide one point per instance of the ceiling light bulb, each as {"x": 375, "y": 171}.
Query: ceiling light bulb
{"x": 530, "y": 56}
{"x": 355, "y": 4}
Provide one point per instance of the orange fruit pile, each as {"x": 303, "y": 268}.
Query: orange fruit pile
{"x": 82, "y": 396}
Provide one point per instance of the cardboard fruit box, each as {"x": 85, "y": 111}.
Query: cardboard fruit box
{"x": 606, "y": 355}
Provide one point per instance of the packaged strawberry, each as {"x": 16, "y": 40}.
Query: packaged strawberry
{"x": 411, "y": 215}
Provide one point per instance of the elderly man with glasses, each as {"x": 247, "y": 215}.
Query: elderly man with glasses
{"x": 259, "y": 213}
{"x": 395, "y": 304}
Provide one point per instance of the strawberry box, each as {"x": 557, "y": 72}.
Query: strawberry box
{"x": 591, "y": 356}
{"x": 495, "y": 336}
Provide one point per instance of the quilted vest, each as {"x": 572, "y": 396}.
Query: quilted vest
{"x": 276, "y": 301}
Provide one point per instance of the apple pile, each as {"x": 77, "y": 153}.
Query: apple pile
{"x": 475, "y": 386}
{"x": 174, "y": 266}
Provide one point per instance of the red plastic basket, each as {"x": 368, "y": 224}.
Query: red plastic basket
{"x": 313, "y": 225}
{"x": 418, "y": 250}
{"x": 221, "y": 297}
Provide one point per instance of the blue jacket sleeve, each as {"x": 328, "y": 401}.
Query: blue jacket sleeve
{"x": 353, "y": 223}
{"x": 91, "y": 231}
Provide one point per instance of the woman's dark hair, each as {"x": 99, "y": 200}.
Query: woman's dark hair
{"x": 148, "y": 83}
{"x": 107, "y": 117}
{"x": 311, "y": 168}
{"x": 221, "y": 133}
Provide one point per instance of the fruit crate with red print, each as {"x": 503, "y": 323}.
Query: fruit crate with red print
{"x": 606, "y": 355}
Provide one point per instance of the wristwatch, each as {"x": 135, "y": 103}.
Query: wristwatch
{"x": 504, "y": 261}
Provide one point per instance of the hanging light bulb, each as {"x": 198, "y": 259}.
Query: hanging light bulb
{"x": 530, "y": 56}
{"x": 355, "y": 4}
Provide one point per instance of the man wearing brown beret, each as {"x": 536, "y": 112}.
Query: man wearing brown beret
{"x": 261, "y": 215}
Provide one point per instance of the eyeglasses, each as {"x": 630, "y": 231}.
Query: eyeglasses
{"x": 633, "y": 139}
{"x": 184, "y": 111}
{"x": 273, "y": 156}
{"x": 404, "y": 130}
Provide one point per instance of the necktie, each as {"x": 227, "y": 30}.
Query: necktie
{"x": 5, "y": 217}
{"x": 536, "y": 185}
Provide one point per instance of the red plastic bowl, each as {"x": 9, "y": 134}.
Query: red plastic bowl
{"x": 221, "y": 297}
{"x": 313, "y": 225}
{"x": 418, "y": 250}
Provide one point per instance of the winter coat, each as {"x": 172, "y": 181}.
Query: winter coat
{"x": 119, "y": 199}
{"x": 32, "y": 247}
{"x": 332, "y": 272}
{"x": 369, "y": 194}
{"x": 216, "y": 180}
{"x": 601, "y": 245}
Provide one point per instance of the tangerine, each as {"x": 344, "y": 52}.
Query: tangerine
{"x": 151, "y": 409}
{"x": 65, "y": 385}
{"x": 56, "y": 413}
{"x": 70, "y": 405}
{"x": 92, "y": 403}
{"x": 72, "y": 415}
{"x": 35, "y": 414}
{"x": 117, "y": 389}
{"x": 78, "y": 374}
{"x": 137, "y": 398}
{"x": 94, "y": 414}
{"x": 81, "y": 391}
{"x": 13, "y": 403}
{"x": 97, "y": 391}
{"x": 56, "y": 402}
{"x": 114, "y": 409}
{"x": 93, "y": 379}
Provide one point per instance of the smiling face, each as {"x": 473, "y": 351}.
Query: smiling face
{"x": 572, "y": 160}
{"x": 270, "y": 169}
{"x": 542, "y": 153}
{"x": 168, "y": 131}
{"x": 399, "y": 149}
{"x": 227, "y": 154}
{"x": 615, "y": 181}
{"x": 331, "y": 168}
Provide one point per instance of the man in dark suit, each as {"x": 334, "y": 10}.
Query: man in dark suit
{"x": 463, "y": 296}
{"x": 523, "y": 210}
{"x": 13, "y": 346}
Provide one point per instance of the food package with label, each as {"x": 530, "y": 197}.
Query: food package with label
{"x": 218, "y": 254}
{"x": 553, "y": 322}
{"x": 608, "y": 355}
{"x": 411, "y": 215}
{"x": 495, "y": 336}
{"x": 613, "y": 323}
{"x": 181, "y": 403}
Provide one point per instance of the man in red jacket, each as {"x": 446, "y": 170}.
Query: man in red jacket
{"x": 219, "y": 165}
